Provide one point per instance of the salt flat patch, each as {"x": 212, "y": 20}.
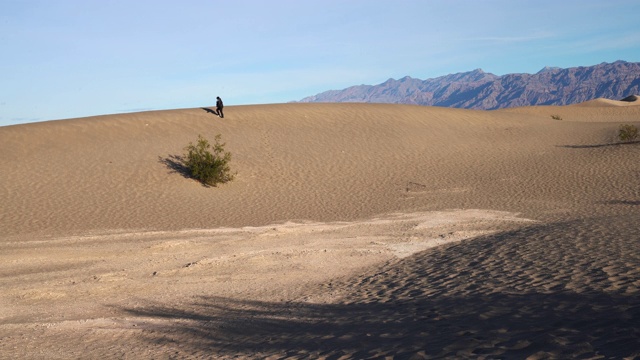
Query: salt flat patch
{"x": 442, "y": 227}
{"x": 415, "y": 244}
{"x": 101, "y": 269}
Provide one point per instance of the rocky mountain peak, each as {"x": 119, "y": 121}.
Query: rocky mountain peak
{"x": 478, "y": 89}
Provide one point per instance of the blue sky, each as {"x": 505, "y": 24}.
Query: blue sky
{"x": 73, "y": 58}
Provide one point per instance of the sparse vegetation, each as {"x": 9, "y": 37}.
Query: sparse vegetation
{"x": 210, "y": 168}
{"x": 627, "y": 132}
{"x": 556, "y": 117}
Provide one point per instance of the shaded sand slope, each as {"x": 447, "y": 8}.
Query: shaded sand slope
{"x": 560, "y": 290}
{"x": 356, "y": 230}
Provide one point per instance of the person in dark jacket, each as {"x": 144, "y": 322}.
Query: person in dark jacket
{"x": 219, "y": 106}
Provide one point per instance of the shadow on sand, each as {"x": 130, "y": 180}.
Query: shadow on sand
{"x": 623, "y": 202}
{"x": 175, "y": 164}
{"x": 501, "y": 324}
{"x": 210, "y": 111}
{"x": 598, "y": 145}
{"x": 562, "y": 290}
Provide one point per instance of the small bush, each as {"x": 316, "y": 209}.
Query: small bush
{"x": 627, "y": 132}
{"x": 205, "y": 166}
{"x": 556, "y": 117}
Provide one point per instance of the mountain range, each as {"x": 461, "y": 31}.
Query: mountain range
{"x": 481, "y": 90}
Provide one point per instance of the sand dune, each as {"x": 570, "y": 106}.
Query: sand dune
{"x": 355, "y": 230}
{"x": 628, "y": 101}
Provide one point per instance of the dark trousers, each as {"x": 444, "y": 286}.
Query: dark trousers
{"x": 219, "y": 111}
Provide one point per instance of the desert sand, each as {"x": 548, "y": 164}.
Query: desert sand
{"x": 350, "y": 231}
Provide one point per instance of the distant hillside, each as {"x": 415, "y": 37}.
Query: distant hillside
{"x": 480, "y": 90}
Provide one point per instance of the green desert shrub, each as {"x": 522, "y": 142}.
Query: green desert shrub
{"x": 556, "y": 117}
{"x": 627, "y": 132}
{"x": 210, "y": 168}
